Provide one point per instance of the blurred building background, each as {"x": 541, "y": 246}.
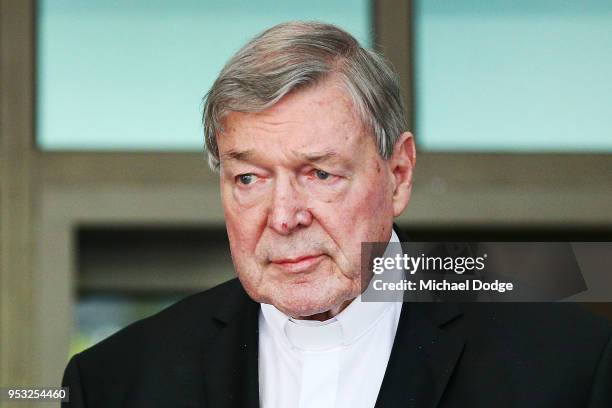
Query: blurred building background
{"x": 109, "y": 212}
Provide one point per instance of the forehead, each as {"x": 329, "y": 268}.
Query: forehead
{"x": 316, "y": 118}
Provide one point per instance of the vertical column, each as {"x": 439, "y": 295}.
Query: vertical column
{"x": 17, "y": 157}
{"x": 393, "y": 37}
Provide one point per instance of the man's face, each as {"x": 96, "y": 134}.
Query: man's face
{"x": 303, "y": 186}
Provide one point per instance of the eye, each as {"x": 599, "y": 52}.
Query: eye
{"x": 321, "y": 175}
{"x": 245, "y": 178}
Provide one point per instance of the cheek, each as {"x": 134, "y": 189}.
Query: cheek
{"x": 242, "y": 244}
{"x": 242, "y": 233}
{"x": 244, "y": 222}
{"x": 245, "y": 199}
{"x": 364, "y": 215}
{"x": 242, "y": 230}
{"x": 369, "y": 203}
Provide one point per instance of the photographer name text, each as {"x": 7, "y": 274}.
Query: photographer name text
{"x": 443, "y": 285}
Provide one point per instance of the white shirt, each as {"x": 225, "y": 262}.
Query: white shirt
{"x": 336, "y": 363}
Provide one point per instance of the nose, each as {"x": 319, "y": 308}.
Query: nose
{"x": 288, "y": 208}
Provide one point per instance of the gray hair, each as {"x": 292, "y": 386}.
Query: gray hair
{"x": 295, "y": 55}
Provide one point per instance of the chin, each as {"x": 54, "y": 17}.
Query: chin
{"x": 302, "y": 310}
{"x": 309, "y": 301}
{"x": 300, "y": 299}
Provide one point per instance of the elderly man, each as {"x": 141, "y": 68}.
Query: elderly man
{"x": 307, "y": 131}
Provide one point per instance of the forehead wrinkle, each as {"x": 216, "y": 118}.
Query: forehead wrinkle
{"x": 294, "y": 118}
{"x": 315, "y": 157}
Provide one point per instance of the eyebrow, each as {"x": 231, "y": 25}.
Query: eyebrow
{"x": 241, "y": 155}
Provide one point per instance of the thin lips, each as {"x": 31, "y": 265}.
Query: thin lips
{"x": 295, "y": 260}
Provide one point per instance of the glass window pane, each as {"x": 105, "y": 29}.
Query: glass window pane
{"x": 101, "y": 315}
{"x": 128, "y": 273}
{"x": 119, "y": 75}
{"x": 518, "y": 75}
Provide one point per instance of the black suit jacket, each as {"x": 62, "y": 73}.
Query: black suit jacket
{"x": 203, "y": 352}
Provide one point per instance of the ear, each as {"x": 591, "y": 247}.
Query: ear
{"x": 401, "y": 165}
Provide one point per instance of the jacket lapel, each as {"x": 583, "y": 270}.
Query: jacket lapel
{"x": 230, "y": 359}
{"x": 423, "y": 357}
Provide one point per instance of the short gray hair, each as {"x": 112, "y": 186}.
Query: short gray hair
{"x": 295, "y": 55}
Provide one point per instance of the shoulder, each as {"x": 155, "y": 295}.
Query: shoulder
{"x": 564, "y": 322}
{"x": 537, "y": 331}
{"x": 155, "y": 361}
{"x": 545, "y": 343}
{"x": 174, "y": 331}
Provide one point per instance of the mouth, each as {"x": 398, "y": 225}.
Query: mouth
{"x": 299, "y": 264}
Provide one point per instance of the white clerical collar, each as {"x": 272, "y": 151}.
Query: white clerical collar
{"x": 311, "y": 335}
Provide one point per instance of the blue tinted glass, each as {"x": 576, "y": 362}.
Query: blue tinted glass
{"x": 99, "y": 316}
{"x": 519, "y": 75}
{"x": 130, "y": 75}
